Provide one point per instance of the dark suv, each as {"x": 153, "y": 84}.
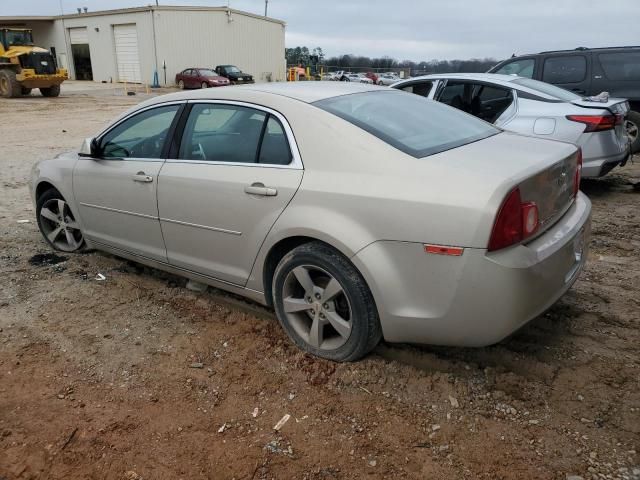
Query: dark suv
{"x": 587, "y": 71}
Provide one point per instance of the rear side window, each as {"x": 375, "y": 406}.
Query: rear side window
{"x": 412, "y": 124}
{"x": 621, "y": 66}
{"x": 523, "y": 68}
{"x": 423, "y": 88}
{"x": 568, "y": 69}
{"x": 548, "y": 89}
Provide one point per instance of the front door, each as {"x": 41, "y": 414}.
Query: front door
{"x": 116, "y": 193}
{"x": 233, "y": 175}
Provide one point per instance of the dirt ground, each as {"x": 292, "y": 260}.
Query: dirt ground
{"x": 136, "y": 377}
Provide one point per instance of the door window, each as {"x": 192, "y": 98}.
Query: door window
{"x": 235, "y": 134}
{"x": 141, "y": 136}
{"x": 423, "y": 88}
{"x": 621, "y": 66}
{"x": 569, "y": 69}
{"x": 275, "y": 147}
{"x": 522, "y": 67}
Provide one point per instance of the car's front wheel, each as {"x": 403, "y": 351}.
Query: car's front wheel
{"x": 204, "y": 85}
{"x": 324, "y": 304}
{"x": 57, "y": 223}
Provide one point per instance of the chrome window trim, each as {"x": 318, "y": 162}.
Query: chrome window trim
{"x": 296, "y": 159}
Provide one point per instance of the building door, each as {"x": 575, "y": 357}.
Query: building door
{"x": 79, "y": 39}
{"x": 127, "y": 59}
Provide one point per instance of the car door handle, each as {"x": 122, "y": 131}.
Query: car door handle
{"x": 142, "y": 178}
{"x": 258, "y": 188}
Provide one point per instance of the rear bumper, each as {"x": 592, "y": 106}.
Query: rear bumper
{"x": 479, "y": 298}
{"x": 602, "y": 152}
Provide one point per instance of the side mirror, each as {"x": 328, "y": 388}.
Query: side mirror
{"x": 90, "y": 148}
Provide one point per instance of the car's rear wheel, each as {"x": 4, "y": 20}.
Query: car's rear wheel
{"x": 632, "y": 124}
{"x": 181, "y": 84}
{"x": 324, "y": 304}
{"x": 57, "y": 223}
{"x": 204, "y": 85}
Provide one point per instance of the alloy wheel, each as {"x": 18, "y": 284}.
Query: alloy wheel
{"x": 632, "y": 130}
{"x": 317, "y": 307}
{"x": 59, "y": 226}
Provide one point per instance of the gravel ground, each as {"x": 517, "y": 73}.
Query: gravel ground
{"x": 136, "y": 377}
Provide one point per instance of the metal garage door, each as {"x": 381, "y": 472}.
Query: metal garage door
{"x": 126, "y": 39}
{"x": 78, "y": 36}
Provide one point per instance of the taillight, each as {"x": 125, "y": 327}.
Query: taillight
{"x": 578, "y": 175}
{"x": 596, "y": 123}
{"x": 515, "y": 222}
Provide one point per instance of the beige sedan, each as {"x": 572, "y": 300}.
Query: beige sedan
{"x": 357, "y": 212}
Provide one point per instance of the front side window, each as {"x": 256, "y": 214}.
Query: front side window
{"x": 522, "y": 67}
{"x": 205, "y": 72}
{"x": 621, "y": 66}
{"x": 140, "y": 136}
{"x": 422, "y": 88}
{"x": 569, "y": 69}
{"x": 234, "y": 134}
{"x": 409, "y": 123}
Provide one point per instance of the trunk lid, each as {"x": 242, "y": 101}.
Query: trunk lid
{"x": 552, "y": 190}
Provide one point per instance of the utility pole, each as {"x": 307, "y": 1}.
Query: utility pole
{"x": 266, "y": 4}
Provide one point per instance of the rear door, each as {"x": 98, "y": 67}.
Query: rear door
{"x": 571, "y": 71}
{"x": 235, "y": 170}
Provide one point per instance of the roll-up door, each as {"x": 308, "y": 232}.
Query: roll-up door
{"x": 126, "y": 40}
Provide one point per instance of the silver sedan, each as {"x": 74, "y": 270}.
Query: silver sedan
{"x": 536, "y": 108}
{"x": 358, "y": 213}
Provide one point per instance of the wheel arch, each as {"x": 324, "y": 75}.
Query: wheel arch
{"x": 283, "y": 246}
{"x": 43, "y": 186}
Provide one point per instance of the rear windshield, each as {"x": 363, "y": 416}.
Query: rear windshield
{"x": 548, "y": 89}
{"x": 408, "y": 122}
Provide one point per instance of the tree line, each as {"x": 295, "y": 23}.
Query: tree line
{"x": 305, "y": 57}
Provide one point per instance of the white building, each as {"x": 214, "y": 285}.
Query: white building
{"x": 132, "y": 44}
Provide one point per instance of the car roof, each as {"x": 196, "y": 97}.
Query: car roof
{"x": 487, "y": 77}
{"x": 307, "y": 92}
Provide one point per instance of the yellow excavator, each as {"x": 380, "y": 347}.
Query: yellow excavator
{"x": 23, "y": 66}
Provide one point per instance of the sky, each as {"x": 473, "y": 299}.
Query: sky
{"x": 417, "y": 29}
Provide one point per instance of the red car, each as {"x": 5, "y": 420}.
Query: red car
{"x": 372, "y": 76}
{"x": 200, "y": 78}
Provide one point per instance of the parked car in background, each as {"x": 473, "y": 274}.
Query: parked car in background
{"x": 365, "y": 78}
{"x": 531, "y": 107}
{"x": 355, "y": 77}
{"x": 387, "y": 79}
{"x": 372, "y": 76}
{"x": 199, "y": 78}
{"x": 357, "y": 212}
{"x": 234, "y": 74}
{"x": 587, "y": 72}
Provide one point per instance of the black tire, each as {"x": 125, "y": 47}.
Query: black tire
{"x": 54, "y": 195}
{"x": 365, "y": 331}
{"x": 9, "y": 86}
{"x": 204, "y": 85}
{"x": 26, "y": 91}
{"x": 52, "y": 91}
{"x": 633, "y": 122}
{"x": 181, "y": 84}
